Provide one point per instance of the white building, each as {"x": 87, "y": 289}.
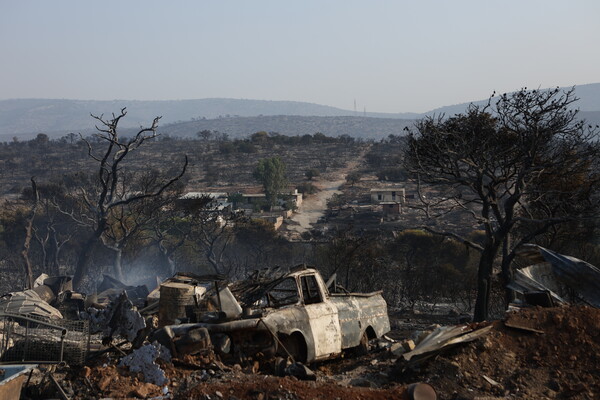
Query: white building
{"x": 386, "y": 195}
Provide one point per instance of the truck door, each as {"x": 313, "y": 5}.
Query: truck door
{"x": 323, "y": 318}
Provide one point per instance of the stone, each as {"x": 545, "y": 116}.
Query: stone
{"x": 361, "y": 382}
{"x": 104, "y": 383}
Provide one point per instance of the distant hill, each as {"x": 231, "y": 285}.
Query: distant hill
{"x": 589, "y": 100}
{"x": 25, "y": 118}
{"x": 364, "y": 127}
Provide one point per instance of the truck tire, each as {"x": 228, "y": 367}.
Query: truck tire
{"x": 295, "y": 345}
{"x": 363, "y": 347}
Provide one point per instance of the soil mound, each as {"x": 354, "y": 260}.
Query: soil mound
{"x": 548, "y": 353}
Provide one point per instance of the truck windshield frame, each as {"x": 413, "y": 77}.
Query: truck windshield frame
{"x": 310, "y": 289}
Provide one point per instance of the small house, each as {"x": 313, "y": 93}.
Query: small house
{"x": 275, "y": 220}
{"x": 294, "y": 197}
{"x": 254, "y": 198}
{"x": 289, "y": 200}
{"x": 391, "y": 194}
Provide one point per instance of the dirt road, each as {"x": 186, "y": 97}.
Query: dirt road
{"x": 313, "y": 207}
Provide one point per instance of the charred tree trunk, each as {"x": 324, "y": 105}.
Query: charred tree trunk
{"x": 167, "y": 253}
{"x": 507, "y": 272}
{"x": 82, "y": 267}
{"x": 484, "y": 283}
{"x": 118, "y": 263}
{"x": 56, "y": 247}
{"x": 28, "y": 235}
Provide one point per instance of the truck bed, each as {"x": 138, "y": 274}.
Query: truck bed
{"x": 357, "y": 313}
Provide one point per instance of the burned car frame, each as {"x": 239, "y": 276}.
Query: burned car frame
{"x": 287, "y": 314}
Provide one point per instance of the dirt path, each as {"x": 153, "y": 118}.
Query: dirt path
{"x": 314, "y": 206}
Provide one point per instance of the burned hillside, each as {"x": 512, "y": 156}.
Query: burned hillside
{"x": 437, "y": 227}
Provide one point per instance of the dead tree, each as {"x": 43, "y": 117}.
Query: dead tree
{"x": 50, "y": 231}
{"x": 214, "y": 233}
{"x": 491, "y": 163}
{"x": 130, "y": 221}
{"x": 28, "y": 235}
{"x": 109, "y": 190}
{"x": 199, "y": 225}
{"x": 171, "y": 232}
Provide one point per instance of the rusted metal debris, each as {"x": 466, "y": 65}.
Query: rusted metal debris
{"x": 522, "y": 327}
{"x": 28, "y": 302}
{"x": 31, "y": 339}
{"x": 557, "y": 274}
{"x": 12, "y": 378}
{"x": 440, "y": 339}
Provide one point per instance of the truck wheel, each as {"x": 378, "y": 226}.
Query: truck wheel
{"x": 363, "y": 347}
{"x": 295, "y": 345}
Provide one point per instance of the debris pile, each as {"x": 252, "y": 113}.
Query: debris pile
{"x": 144, "y": 360}
{"x": 291, "y": 335}
{"x": 534, "y": 353}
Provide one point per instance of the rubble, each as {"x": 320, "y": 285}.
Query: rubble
{"x": 300, "y": 371}
{"x": 558, "y": 275}
{"x": 144, "y": 360}
{"x": 28, "y": 302}
{"x": 503, "y": 363}
{"x": 441, "y": 338}
{"x": 230, "y": 340}
{"x": 562, "y": 363}
{"x": 398, "y": 349}
{"x": 120, "y": 318}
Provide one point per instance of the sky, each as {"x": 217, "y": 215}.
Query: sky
{"x": 388, "y": 56}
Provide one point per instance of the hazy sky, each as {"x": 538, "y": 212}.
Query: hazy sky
{"x": 391, "y": 56}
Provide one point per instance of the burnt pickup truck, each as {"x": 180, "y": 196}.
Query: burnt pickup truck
{"x": 292, "y": 314}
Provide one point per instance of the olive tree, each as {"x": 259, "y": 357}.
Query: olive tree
{"x": 492, "y": 162}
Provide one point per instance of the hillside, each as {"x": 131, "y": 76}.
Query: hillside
{"x": 292, "y": 125}
{"x": 589, "y": 101}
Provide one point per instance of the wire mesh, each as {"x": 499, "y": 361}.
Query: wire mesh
{"x": 27, "y": 338}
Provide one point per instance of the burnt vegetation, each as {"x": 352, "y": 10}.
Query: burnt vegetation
{"x": 478, "y": 185}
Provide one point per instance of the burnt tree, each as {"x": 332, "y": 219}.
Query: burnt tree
{"x": 28, "y": 235}
{"x": 493, "y": 162}
{"x": 109, "y": 190}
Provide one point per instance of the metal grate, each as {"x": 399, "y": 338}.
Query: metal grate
{"x": 31, "y": 339}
